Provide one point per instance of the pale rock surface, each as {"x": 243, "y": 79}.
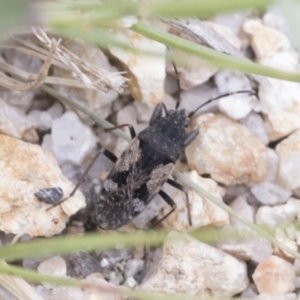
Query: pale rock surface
{"x": 256, "y": 125}
{"x": 70, "y": 139}
{"x": 297, "y": 267}
{"x": 249, "y": 292}
{"x": 274, "y": 276}
{"x": 54, "y": 266}
{"x": 282, "y": 237}
{"x": 280, "y": 100}
{"x": 244, "y": 243}
{"x": 133, "y": 266}
{"x": 44, "y": 118}
{"x": 25, "y": 169}
{"x": 15, "y": 123}
{"x": 143, "y": 112}
{"x": 146, "y": 72}
{"x": 18, "y": 99}
{"x": 266, "y": 41}
{"x": 289, "y": 296}
{"x": 235, "y": 106}
{"x": 226, "y": 150}
{"x": 273, "y": 164}
{"x": 278, "y": 215}
{"x": 130, "y": 282}
{"x": 270, "y": 193}
{"x": 198, "y": 95}
{"x": 98, "y": 101}
{"x": 203, "y": 211}
{"x": 288, "y": 151}
{"x": 193, "y": 268}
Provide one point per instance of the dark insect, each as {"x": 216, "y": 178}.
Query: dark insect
{"x": 50, "y": 195}
{"x": 143, "y": 168}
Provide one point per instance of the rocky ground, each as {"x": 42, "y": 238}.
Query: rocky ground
{"x": 247, "y": 155}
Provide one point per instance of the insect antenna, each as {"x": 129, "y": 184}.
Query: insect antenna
{"x": 221, "y": 96}
{"x": 178, "y": 85}
{"x": 178, "y": 99}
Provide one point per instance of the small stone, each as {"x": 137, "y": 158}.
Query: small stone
{"x": 265, "y": 41}
{"x": 273, "y": 164}
{"x": 143, "y": 112}
{"x": 227, "y": 151}
{"x": 81, "y": 264}
{"x": 281, "y": 237}
{"x": 235, "y": 106}
{"x": 198, "y": 95}
{"x": 233, "y": 191}
{"x": 18, "y": 99}
{"x": 270, "y": 193}
{"x": 244, "y": 244}
{"x": 189, "y": 267}
{"x": 56, "y": 110}
{"x": 54, "y": 266}
{"x": 297, "y": 267}
{"x": 274, "y": 276}
{"x": 280, "y": 101}
{"x": 15, "y": 123}
{"x": 50, "y": 195}
{"x": 241, "y": 206}
{"x": 70, "y": 140}
{"x": 133, "y": 266}
{"x": 288, "y": 151}
{"x": 249, "y": 292}
{"x": 203, "y": 211}
{"x": 104, "y": 263}
{"x": 256, "y": 125}
{"x": 25, "y": 169}
{"x": 130, "y": 282}
{"x": 146, "y": 72}
{"x": 278, "y": 215}
{"x": 289, "y": 296}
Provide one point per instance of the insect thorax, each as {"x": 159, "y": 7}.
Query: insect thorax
{"x": 166, "y": 136}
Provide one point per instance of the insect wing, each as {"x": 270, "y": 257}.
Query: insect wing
{"x": 113, "y": 207}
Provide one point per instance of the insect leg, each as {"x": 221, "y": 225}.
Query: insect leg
{"x": 104, "y": 151}
{"x": 169, "y": 200}
{"x": 131, "y": 129}
{"x": 190, "y": 137}
{"x": 183, "y": 189}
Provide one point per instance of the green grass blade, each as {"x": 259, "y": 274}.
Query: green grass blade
{"x": 216, "y": 58}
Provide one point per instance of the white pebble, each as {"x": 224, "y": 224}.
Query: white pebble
{"x": 256, "y": 125}
{"x": 274, "y": 276}
{"x": 226, "y": 150}
{"x": 288, "y": 151}
{"x": 193, "y": 268}
{"x": 270, "y": 193}
{"x": 55, "y": 266}
{"x": 273, "y": 164}
{"x": 72, "y": 140}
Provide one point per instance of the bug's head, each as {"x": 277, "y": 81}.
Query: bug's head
{"x": 179, "y": 116}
